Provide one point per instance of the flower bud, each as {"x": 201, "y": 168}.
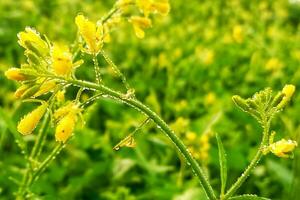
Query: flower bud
{"x": 65, "y": 127}
{"x": 288, "y": 91}
{"x": 241, "y": 103}
{"x": 45, "y": 88}
{"x": 30, "y": 39}
{"x": 15, "y": 74}
{"x": 30, "y": 121}
{"x": 20, "y": 91}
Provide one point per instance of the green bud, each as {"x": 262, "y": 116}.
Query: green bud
{"x": 241, "y": 103}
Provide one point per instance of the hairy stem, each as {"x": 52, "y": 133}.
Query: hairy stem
{"x": 252, "y": 165}
{"x": 159, "y": 122}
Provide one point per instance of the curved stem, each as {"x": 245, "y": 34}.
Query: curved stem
{"x": 159, "y": 122}
{"x": 252, "y": 165}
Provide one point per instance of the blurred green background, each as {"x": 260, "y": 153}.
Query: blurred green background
{"x": 186, "y": 69}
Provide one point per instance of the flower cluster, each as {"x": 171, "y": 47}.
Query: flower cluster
{"x": 147, "y": 7}
{"x": 49, "y": 64}
{"x": 263, "y": 106}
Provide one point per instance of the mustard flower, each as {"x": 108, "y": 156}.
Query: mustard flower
{"x": 139, "y": 24}
{"x": 283, "y": 147}
{"x": 61, "y": 60}
{"x": 91, "y": 33}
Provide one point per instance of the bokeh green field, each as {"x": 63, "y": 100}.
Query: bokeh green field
{"x": 186, "y": 68}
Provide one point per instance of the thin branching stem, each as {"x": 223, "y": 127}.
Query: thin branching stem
{"x": 115, "y": 95}
{"x": 253, "y": 163}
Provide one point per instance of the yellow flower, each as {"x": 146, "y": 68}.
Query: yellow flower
{"x": 237, "y": 34}
{"x": 91, "y": 33}
{"x": 162, "y": 7}
{"x": 144, "y": 6}
{"x": 288, "y": 91}
{"x": 283, "y": 147}
{"x": 61, "y": 60}
{"x": 210, "y": 98}
{"x": 30, "y": 121}
{"x": 30, "y": 39}
{"x": 45, "y": 88}
{"x": 148, "y": 6}
{"x": 204, "y": 147}
{"x": 64, "y": 110}
{"x": 139, "y": 24}
{"x": 15, "y": 74}
{"x": 274, "y": 64}
{"x": 191, "y": 136}
{"x": 65, "y": 127}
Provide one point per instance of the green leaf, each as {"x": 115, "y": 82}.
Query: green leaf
{"x": 248, "y": 197}
{"x": 223, "y": 164}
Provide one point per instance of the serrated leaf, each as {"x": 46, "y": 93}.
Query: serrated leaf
{"x": 248, "y": 197}
{"x": 223, "y": 164}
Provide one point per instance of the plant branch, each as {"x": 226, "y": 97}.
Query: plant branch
{"x": 159, "y": 122}
{"x": 253, "y": 163}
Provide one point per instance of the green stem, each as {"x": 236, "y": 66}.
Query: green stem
{"x": 159, "y": 122}
{"x": 97, "y": 70}
{"x": 40, "y": 138}
{"x": 116, "y": 69}
{"x": 252, "y": 165}
{"x": 46, "y": 162}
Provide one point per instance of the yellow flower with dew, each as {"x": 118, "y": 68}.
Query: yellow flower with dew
{"x": 45, "y": 88}
{"x": 61, "y": 60}
{"x": 91, "y": 33}
{"x": 15, "y": 74}
{"x": 67, "y": 116}
{"x": 64, "y": 110}
{"x": 30, "y": 39}
{"x": 139, "y": 24}
{"x": 288, "y": 91}
{"x": 30, "y": 121}
{"x": 65, "y": 127}
{"x": 283, "y": 147}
